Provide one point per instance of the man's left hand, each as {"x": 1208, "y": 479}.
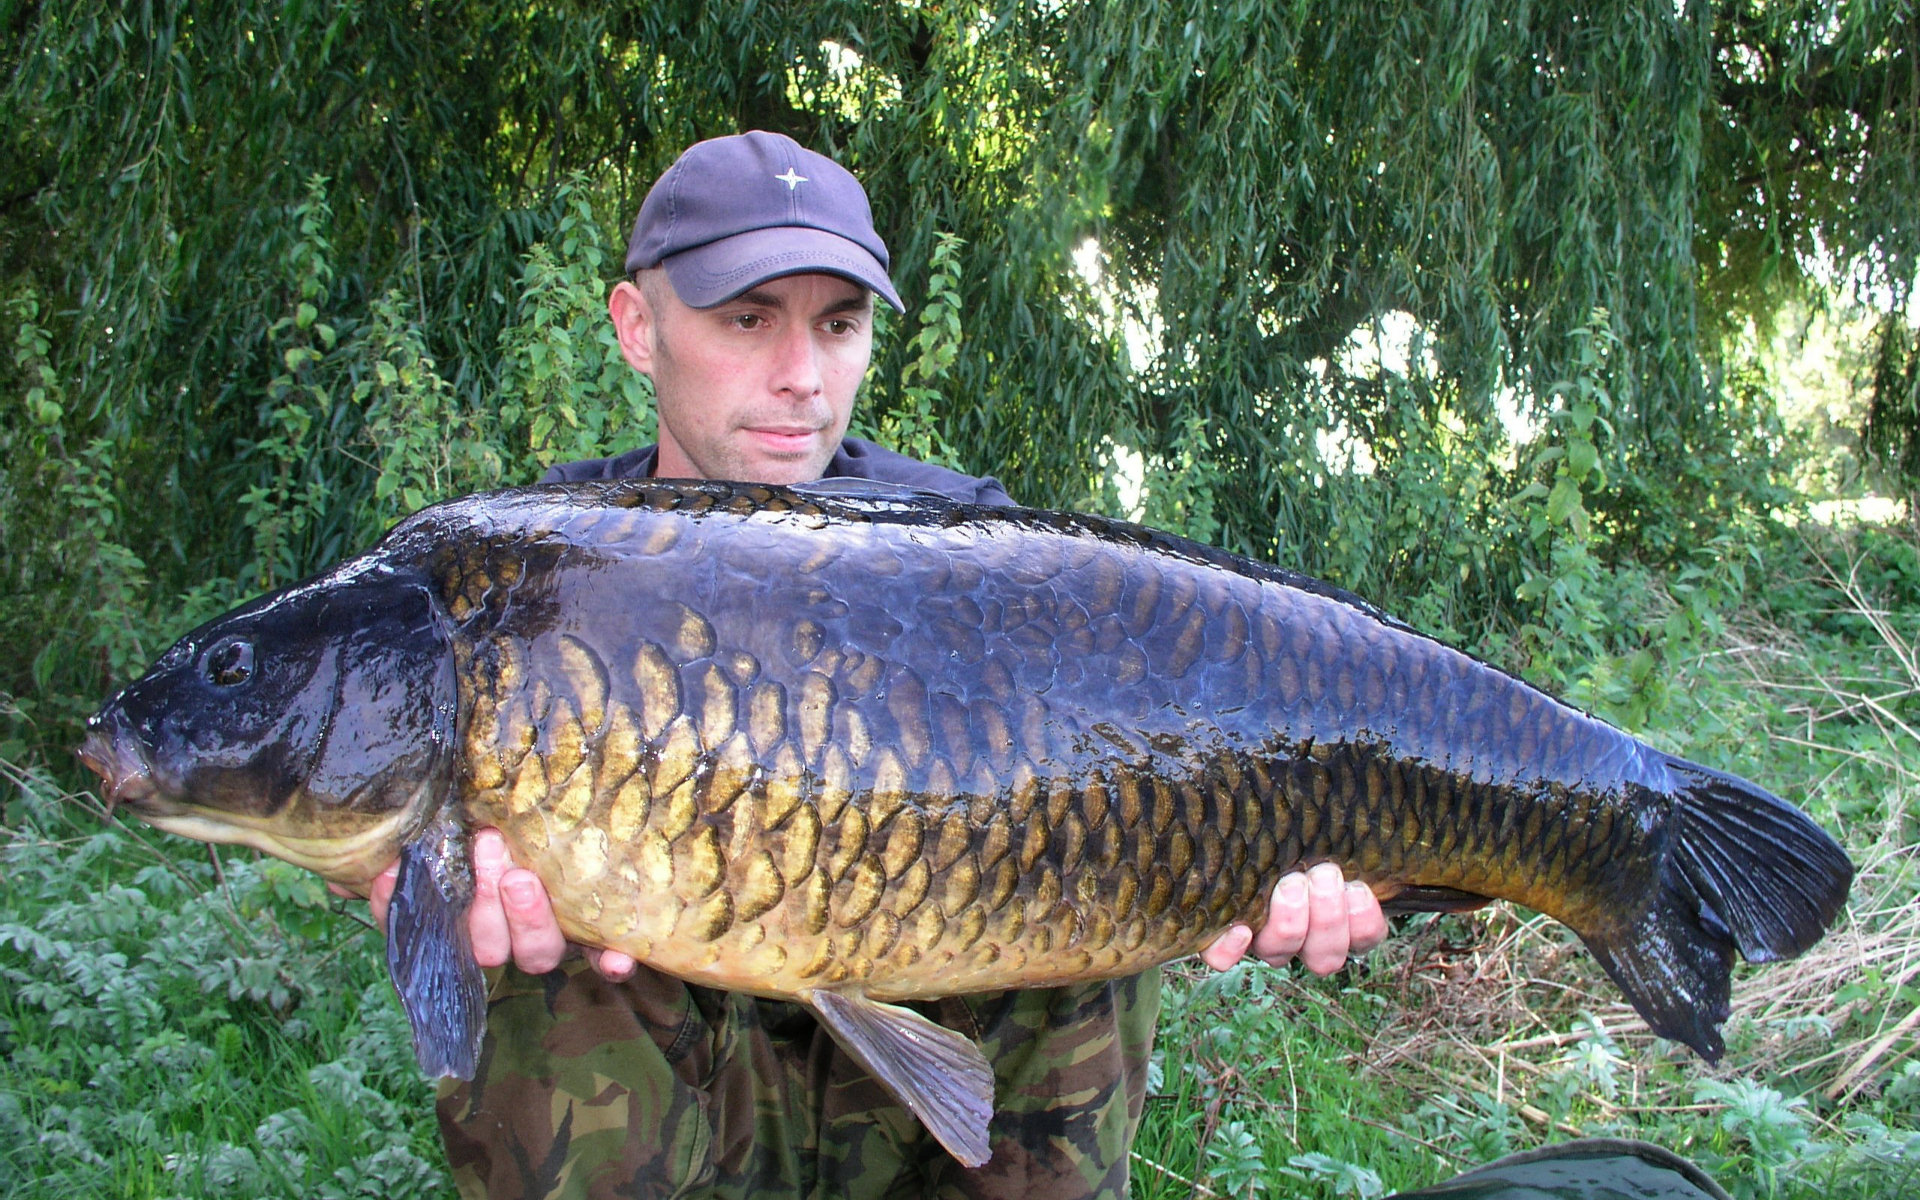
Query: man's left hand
{"x": 511, "y": 918}
{"x": 1317, "y": 917}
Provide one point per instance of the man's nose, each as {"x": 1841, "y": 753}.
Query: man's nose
{"x": 797, "y": 366}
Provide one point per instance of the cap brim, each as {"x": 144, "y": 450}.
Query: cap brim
{"x": 718, "y": 271}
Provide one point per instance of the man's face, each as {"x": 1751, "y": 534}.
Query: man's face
{"x": 759, "y": 388}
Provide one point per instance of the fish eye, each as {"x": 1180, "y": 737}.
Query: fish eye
{"x": 229, "y": 664}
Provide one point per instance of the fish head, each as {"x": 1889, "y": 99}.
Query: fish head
{"x": 315, "y": 724}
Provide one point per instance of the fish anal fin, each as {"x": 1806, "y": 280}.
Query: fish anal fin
{"x": 938, "y": 1075}
{"x": 1419, "y": 898}
{"x": 430, "y": 954}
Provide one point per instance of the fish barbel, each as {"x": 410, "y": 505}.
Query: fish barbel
{"x": 850, "y": 745}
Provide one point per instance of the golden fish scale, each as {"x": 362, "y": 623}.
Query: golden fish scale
{"x": 823, "y": 761}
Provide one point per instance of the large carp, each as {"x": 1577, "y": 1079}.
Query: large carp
{"x": 853, "y": 745}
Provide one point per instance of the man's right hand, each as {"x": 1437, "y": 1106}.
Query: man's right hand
{"x": 511, "y": 919}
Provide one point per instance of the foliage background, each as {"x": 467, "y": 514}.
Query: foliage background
{"x": 1474, "y": 308}
{"x": 283, "y": 270}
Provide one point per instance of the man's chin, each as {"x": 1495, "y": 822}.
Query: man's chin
{"x": 800, "y": 464}
{"x": 789, "y": 474}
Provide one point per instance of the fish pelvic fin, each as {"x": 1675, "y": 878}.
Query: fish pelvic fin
{"x": 430, "y": 953}
{"x": 938, "y": 1075}
{"x": 1743, "y": 870}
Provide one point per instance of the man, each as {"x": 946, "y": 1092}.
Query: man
{"x": 754, "y": 265}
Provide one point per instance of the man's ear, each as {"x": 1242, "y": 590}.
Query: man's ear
{"x": 633, "y": 324}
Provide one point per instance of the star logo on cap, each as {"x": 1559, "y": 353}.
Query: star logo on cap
{"x": 792, "y": 178}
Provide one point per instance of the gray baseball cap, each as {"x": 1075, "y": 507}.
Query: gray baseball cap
{"x": 734, "y": 212}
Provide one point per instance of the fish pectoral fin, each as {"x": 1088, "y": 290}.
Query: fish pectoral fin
{"x": 1418, "y": 898}
{"x": 430, "y": 953}
{"x": 939, "y": 1076}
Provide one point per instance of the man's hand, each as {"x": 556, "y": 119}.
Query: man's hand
{"x": 511, "y": 919}
{"x": 1317, "y": 917}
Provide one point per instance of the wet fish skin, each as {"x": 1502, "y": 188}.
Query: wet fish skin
{"x": 865, "y": 747}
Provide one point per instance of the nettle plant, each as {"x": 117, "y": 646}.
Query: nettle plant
{"x": 176, "y": 1024}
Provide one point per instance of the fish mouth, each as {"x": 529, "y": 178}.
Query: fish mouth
{"x": 125, "y": 777}
{"x": 352, "y": 856}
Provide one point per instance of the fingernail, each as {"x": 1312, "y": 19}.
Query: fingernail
{"x": 1326, "y": 877}
{"x": 486, "y": 853}
{"x": 1357, "y": 889}
{"x": 1293, "y": 888}
{"x": 519, "y": 890}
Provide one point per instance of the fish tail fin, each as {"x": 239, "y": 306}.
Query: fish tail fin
{"x": 1743, "y": 870}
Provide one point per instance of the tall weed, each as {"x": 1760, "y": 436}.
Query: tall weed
{"x": 565, "y": 391}
{"x": 424, "y": 445}
{"x": 292, "y": 491}
{"x": 911, "y": 425}
{"x": 1564, "y": 580}
{"x": 71, "y": 591}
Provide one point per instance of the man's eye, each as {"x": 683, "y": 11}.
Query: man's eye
{"x": 749, "y": 321}
{"x": 840, "y": 327}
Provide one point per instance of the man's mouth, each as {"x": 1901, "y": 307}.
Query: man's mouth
{"x": 784, "y": 437}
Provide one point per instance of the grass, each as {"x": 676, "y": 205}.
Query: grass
{"x": 1468, "y": 1038}
{"x": 179, "y": 1024}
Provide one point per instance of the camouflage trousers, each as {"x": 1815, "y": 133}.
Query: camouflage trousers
{"x": 652, "y": 1088}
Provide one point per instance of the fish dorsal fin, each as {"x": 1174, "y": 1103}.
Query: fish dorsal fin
{"x": 430, "y": 954}
{"x": 939, "y": 1076}
{"x": 850, "y": 487}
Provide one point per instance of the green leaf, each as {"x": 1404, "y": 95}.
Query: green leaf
{"x": 1678, "y": 627}
{"x": 1581, "y": 457}
{"x": 1563, "y": 501}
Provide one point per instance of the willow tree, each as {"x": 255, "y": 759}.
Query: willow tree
{"x": 251, "y": 251}
{"x": 1814, "y": 181}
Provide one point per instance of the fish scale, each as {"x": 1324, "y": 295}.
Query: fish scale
{"x": 858, "y": 746}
